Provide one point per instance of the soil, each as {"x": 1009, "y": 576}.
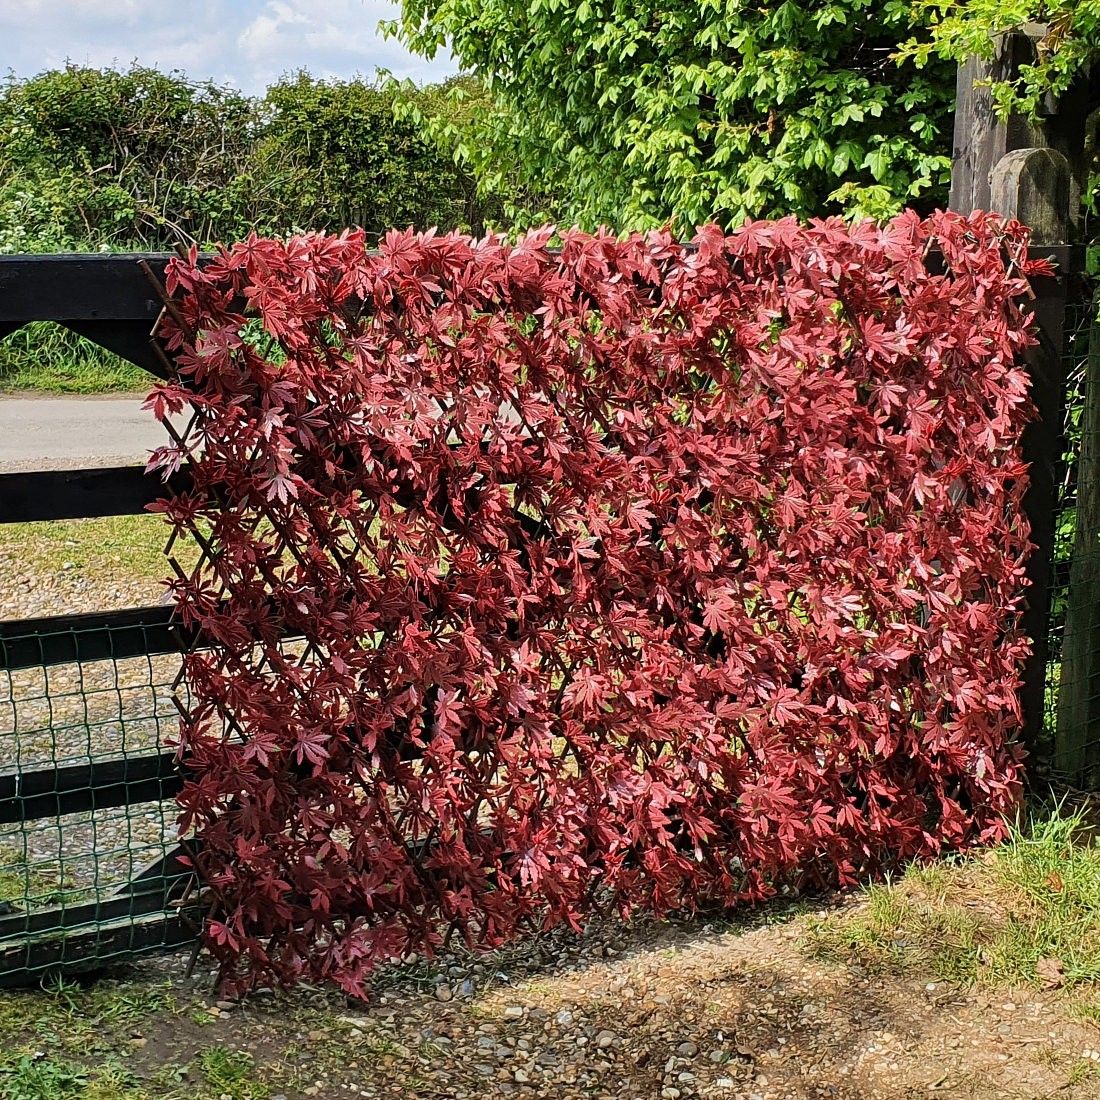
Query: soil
{"x": 691, "y": 1010}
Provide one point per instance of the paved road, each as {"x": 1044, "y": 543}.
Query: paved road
{"x": 72, "y": 433}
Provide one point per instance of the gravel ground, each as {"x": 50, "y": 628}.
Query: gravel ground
{"x": 71, "y": 714}
{"x": 692, "y": 1010}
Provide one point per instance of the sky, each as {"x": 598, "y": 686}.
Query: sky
{"x": 247, "y": 43}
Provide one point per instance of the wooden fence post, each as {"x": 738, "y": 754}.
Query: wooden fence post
{"x": 1034, "y": 186}
{"x": 981, "y": 138}
{"x": 1031, "y": 171}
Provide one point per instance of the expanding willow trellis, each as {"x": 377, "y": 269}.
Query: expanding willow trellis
{"x": 53, "y": 784}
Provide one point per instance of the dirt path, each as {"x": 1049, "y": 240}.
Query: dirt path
{"x": 689, "y": 1011}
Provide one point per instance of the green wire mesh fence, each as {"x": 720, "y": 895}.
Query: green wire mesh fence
{"x": 1070, "y": 751}
{"x": 88, "y": 868}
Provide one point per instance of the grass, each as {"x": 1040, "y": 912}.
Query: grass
{"x": 130, "y": 547}
{"x": 31, "y": 1078}
{"x": 25, "y": 886}
{"x": 72, "y": 1041}
{"x": 1017, "y": 914}
{"x": 232, "y": 1073}
{"x": 76, "y": 1018}
{"x": 47, "y": 358}
{"x": 61, "y": 1042}
{"x": 1025, "y": 913}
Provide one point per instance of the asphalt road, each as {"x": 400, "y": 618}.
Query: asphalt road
{"x": 72, "y": 433}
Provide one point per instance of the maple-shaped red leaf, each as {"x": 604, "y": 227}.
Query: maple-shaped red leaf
{"x": 640, "y": 572}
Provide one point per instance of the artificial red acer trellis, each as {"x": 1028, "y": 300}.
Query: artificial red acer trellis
{"x": 632, "y": 574}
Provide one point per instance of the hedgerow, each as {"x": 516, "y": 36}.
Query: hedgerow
{"x": 630, "y": 575}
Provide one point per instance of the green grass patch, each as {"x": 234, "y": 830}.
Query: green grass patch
{"x": 32, "y": 886}
{"x": 232, "y": 1073}
{"x": 1027, "y": 912}
{"x": 30, "y": 1078}
{"x": 126, "y": 547}
{"x": 70, "y": 1019}
{"x": 71, "y": 1040}
{"x": 67, "y": 1041}
{"x": 48, "y": 358}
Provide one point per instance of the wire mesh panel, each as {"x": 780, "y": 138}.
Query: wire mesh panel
{"x": 87, "y": 773}
{"x": 89, "y": 870}
{"x": 1070, "y": 751}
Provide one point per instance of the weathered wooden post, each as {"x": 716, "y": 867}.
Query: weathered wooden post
{"x": 1033, "y": 185}
{"x": 1032, "y": 171}
{"x": 981, "y": 138}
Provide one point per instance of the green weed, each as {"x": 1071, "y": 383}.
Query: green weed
{"x": 1025, "y": 912}
{"x": 232, "y": 1073}
{"x": 46, "y": 357}
{"x": 73, "y": 1020}
{"x": 29, "y": 1077}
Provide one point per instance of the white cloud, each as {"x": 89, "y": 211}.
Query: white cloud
{"x": 342, "y": 36}
{"x": 245, "y": 42}
{"x": 28, "y": 13}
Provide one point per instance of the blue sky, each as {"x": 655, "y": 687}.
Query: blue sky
{"x": 248, "y": 43}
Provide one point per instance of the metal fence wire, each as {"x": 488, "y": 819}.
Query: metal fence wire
{"x": 1069, "y": 752}
{"x": 87, "y": 820}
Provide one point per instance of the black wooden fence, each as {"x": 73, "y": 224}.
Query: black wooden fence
{"x": 72, "y": 768}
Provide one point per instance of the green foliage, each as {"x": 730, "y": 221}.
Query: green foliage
{"x": 637, "y": 113}
{"x": 960, "y": 28}
{"x": 97, "y": 159}
{"x": 63, "y": 1041}
{"x": 343, "y": 156}
{"x": 30, "y": 1078}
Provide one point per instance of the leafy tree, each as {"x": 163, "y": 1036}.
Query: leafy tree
{"x": 637, "y": 112}
{"x": 961, "y": 28}
{"x": 94, "y": 158}
{"x": 99, "y": 158}
{"x": 345, "y": 156}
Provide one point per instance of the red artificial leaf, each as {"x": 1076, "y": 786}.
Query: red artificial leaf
{"x": 629, "y": 571}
